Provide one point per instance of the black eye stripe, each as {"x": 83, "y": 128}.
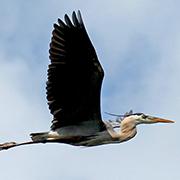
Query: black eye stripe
{"x": 137, "y": 114}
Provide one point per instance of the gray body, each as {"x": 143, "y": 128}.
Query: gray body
{"x": 87, "y": 133}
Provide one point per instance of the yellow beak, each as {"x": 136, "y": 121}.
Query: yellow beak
{"x": 156, "y": 120}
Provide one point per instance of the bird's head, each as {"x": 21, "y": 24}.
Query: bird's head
{"x": 141, "y": 118}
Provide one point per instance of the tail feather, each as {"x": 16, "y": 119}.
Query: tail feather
{"x": 42, "y": 136}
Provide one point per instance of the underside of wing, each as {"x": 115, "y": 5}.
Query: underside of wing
{"x": 74, "y": 75}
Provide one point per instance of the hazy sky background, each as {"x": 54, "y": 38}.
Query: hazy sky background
{"x": 138, "y": 43}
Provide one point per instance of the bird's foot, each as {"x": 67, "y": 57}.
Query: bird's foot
{"x": 7, "y": 145}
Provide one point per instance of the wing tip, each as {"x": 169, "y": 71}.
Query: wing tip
{"x": 76, "y": 20}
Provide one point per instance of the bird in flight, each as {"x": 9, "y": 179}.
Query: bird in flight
{"x": 73, "y": 93}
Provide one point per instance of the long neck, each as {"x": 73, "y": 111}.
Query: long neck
{"x": 127, "y": 131}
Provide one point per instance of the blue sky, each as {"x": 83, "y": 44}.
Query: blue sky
{"x": 137, "y": 42}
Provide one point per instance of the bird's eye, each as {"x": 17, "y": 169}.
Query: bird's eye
{"x": 144, "y": 116}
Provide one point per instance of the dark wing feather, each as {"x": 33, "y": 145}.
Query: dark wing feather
{"x": 74, "y": 75}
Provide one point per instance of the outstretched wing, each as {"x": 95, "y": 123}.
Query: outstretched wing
{"x": 74, "y": 75}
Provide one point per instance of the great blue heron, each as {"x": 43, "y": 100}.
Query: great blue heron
{"x": 73, "y": 93}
